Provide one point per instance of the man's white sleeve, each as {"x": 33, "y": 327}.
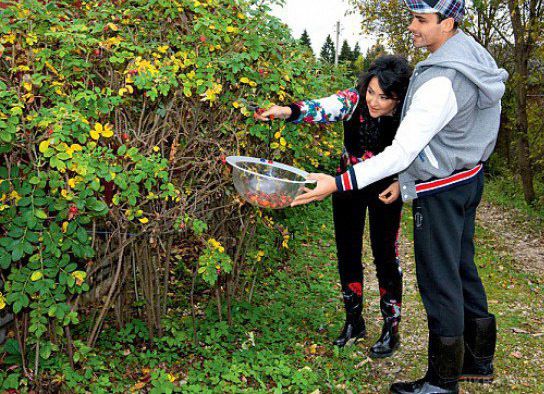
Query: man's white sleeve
{"x": 433, "y": 106}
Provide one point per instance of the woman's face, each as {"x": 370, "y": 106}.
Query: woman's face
{"x": 378, "y": 103}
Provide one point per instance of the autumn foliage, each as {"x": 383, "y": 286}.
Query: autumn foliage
{"x": 115, "y": 120}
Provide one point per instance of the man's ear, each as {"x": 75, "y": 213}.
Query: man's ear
{"x": 448, "y": 25}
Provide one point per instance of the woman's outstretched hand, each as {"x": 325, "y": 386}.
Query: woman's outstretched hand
{"x": 390, "y": 194}
{"x": 274, "y": 112}
{"x": 326, "y": 185}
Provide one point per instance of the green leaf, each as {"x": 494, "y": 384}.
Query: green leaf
{"x": 34, "y": 180}
{"x": 40, "y": 214}
{"x": 63, "y": 156}
{"x": 5, "y": 259}
{"x": 96, "y": 205}
{"x": 17, "y": 252}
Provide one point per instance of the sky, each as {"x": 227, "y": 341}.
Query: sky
{"x": 319, "y": 18}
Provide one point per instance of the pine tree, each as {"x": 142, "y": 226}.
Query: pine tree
{"x": 305, "y": 39}
{"x": 327, "y": 51}
{"x": 346, "y": 54}
{"x": 376, "y": 51}
{"x": 356, "y": 52}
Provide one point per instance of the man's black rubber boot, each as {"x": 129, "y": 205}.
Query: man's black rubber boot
{"x": 480, "y": 339}
{"x": 389, "y": 340}
{"x": 445, "y": 364}
{"x": 354, "y": 327}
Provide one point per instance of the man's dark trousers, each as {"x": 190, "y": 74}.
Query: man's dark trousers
{"x": 447, "y": 277}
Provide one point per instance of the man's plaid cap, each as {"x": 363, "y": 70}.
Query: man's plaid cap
{"x": 449, "y": 8}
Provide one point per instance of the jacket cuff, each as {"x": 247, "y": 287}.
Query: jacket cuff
{"x": 346, "y": 181}
{"x": 407, "y": 187}
{"x": 295, "y": 113}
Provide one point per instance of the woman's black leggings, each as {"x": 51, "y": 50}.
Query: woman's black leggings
{"x": 349, "y": 211}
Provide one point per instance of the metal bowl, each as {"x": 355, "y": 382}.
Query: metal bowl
{"x": 266, "y": 183}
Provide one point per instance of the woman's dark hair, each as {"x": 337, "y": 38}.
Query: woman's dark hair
{"x": 393, "y": 73}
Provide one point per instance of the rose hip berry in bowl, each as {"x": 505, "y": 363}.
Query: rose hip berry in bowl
{"x": 267, "y": 183}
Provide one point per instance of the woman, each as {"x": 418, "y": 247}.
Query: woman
{"x": 370, "y": 113}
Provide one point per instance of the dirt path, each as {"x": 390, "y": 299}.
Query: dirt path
{"x": 515, "y": 236}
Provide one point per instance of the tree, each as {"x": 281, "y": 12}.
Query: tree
{"x": 305, "y": 40}
{"x": 514, "y": 27}
{"x": 356, "y": 52}
{"x": 327, "y": 51}
{"x": 373, "y": 52}
{"x": 346, "y": 54}
{"x": 388, "y": 20}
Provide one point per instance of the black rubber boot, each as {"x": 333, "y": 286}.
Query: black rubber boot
{"x": 389, "y": 340}
{"x": 480, "y": 339}
{"x": 445, "y": 364}
{"x": 354, "y": 327}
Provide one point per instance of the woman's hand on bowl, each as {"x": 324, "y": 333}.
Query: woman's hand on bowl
{"x": 274, "y": 112}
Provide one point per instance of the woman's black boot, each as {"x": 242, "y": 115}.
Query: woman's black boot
{"x": 389, "y": 341}
{"x": 480, "y": 339}
{"x": 445, "y": 364}
{"x": 354, "y": 327}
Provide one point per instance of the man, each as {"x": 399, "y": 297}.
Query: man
{"x": 449, "y": 127}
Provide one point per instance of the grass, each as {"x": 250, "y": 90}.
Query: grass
{"x": 506, "y": 191}
{"x": 281, "y": 342}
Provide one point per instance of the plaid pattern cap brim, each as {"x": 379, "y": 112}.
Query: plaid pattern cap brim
{"x": 449, "y": 8}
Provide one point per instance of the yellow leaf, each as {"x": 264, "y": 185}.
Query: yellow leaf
{"x": 76, "y": 147}
{"x": 64, "y": 226}
{"x": 274, "y": 145}
{"x": 236, "y": 104}
{"x": 36, "y": 275}
{"x": 241, "y": 16}
{"x": 79, "y": 276}
{"x": 252, "y": 83}
{"x": 156, "y": 149}
{"x": 94, "y": 134}
{"x": 138, "y": 386}
{"x": 2, "y": 301}
{"x": 108, "y": 131}
{"x": 121, "y": 92}
{"x": 244, "y": 80}
{"x": 277, "y": 135}
{"x": 98, "y": 127}
{"x": 130, "y": 89}
{"x": 143, "y": 220}
{"x": 44, "y": 145}
{"x": 282, "y": 141}
{"x": 113, "y": 26}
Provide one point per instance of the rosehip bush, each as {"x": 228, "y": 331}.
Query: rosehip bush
{"x": 115, "y": 119}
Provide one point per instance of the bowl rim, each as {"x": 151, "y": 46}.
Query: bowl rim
{"x": 234, "y": 160}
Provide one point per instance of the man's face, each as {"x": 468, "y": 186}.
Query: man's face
{"x": 426, "y": 31}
